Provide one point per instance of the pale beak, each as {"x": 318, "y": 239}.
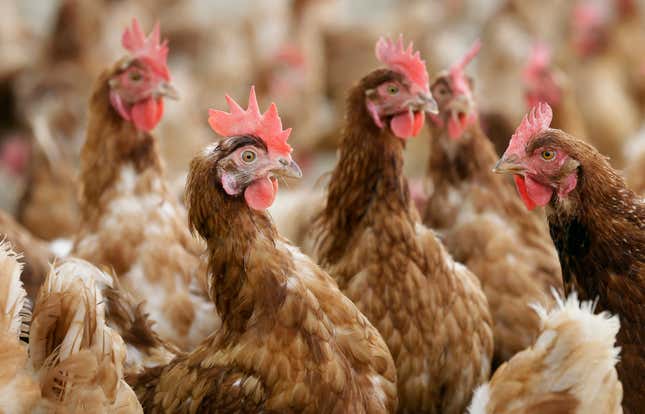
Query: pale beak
{"x": 425, "y": 102}
{"x": 287, "y": 168}
{"x": 508, "y": 166}
{"x": 167, "y": 90}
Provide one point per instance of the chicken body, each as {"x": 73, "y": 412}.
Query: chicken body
{"x": 571, "y": 367}
{"x": 131, "y": 223}
{"x": 430, "y": 309}
{"x": 600, "y": 237}
{"x": 290, "y": 341}
{"x": 484, "y": 225}
{"x": 75, "y": 361}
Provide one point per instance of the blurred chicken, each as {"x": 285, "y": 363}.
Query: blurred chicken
{"x": 602, "y": 89}
{"x": 480, "y": 218}
{"x": 597, "y": 225}
{"x": 289, "y": 341}
{"x": 430, "y": 309}
{"x": 571, "y": 368}
{"x": 49, "y": 206}
{"x": 544, "y": 83}
{"x": 635, "y": 156}
{"x": 130, "y": 221}
{"x": 74, "y": 361}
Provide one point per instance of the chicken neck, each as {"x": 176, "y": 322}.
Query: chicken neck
{"x": 369, "y": 172}
{"x": 110, "y": 144}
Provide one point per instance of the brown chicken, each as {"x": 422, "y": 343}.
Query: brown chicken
{"x": 597, "y": 225}
{"x": 73, "y": 362}
{"x": 571, "y": 368}
{"x": 430, "y": 309}
{"x": 130, "y": 221}
{"x": 289, "y": 341}
{"x": 480, "y": 218}
{"x": 635, "y": 156}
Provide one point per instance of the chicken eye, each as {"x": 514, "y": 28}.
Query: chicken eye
{"x": 135, "y": 76}
{"x": 548, "y": 155}
{"x": 392, "y": 90}
{"x": 248, "y": 156}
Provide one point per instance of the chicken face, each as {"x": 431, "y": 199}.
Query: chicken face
{"x": 457, "y": 109}
{"x": 538, "y": 158}
{"x": 541, "y": 170}
{"x": 399, "y": 104}
{"x": 137, "y": 91}
{"x": 251, "y": 169}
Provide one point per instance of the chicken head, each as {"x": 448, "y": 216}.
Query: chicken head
{"x": 538, "y": 160}
{"x": 141, "y": 79}
{"x": 401, "y": 99}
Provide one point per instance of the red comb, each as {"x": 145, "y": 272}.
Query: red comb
{"x": 537, "y": 120}
{"x": 266, "y": 126}
{"x": 404, "y": 61}
{"x": 459, "y": 83}
{"x": 148, "y": 48}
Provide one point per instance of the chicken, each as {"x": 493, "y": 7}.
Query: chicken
{"x": 36, "y": 253}
{"x": 289, "y": 341}
{"x": 130, "y": 221}
{"x": 49, "y": 206}
{"x": 543, "y": 83}
{"x": 480, "y": 219}
{"x": 597, "y": 225}
{"x": 571, "y": 368}
{"x": 429, "y": 308}
{"x": 602, "y": 89}
{"x": 73, "y": 362}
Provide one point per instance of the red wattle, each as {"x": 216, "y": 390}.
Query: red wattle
{"x": 455, "y": 128}
{"x": 521, "y": 188}
{"x": 419, "y": 120}
{"x": 261, "y": 193}
{"x": 408, "y": 124}
{"x": 147, "y": 114}
{"x": 532, "y": 193}
{"x": 539, "y": 193}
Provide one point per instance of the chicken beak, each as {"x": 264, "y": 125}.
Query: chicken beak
{"x": 428, "y": 104}
{"x": 167, "y": 90}
{"x": 287, "y": 168}
{"x": 508, "y": 166}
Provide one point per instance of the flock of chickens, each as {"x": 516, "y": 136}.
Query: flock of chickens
{"x": 371, "y": 295}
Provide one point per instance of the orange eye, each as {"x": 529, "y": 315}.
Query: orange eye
{"x": 248, "y": 156}
{"x": 548, "y": 155}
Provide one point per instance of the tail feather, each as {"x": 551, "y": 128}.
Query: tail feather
{"x": 571, "y": 367}
{"x": 79, "y": 358}
{"x": 15, "y": 308}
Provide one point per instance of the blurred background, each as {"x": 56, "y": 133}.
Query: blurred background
{"x": 587, "y": 58}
